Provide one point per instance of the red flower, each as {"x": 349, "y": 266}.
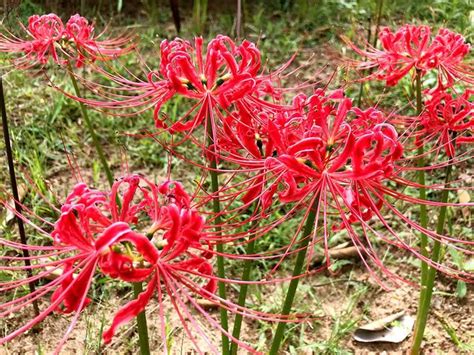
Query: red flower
{"x": 139, "y": 232}
{"x": 412, "y": 47}
{"x": 178, "y": 231}
{"x": 447, "y": 121}
{"x": 326, "y": 150}
{"x": 49, "y": 38}
{"x": 90, "y": 233}
{"x": 89, "y": 46}
{"x": 78, "y": 252}
{"x": 225, "y": 76}
{"x": 45, "y": 31}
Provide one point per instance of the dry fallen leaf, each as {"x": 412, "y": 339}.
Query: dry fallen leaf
{"x": 339, "y": 253}
{"x": 206, "y": 304}
{"x": 463, "y": 196}
{"x": 392, "y": 329}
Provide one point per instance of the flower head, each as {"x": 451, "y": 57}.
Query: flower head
{"x": 447, "y": 120}
{"x": 48, "y": 38}
{"x": 136, "y": 232}
{"x": 413, "y": 49}
{"x": 225, "y": 75}
{"x": 346, "y": 159}
{"x": 215, "y": 80}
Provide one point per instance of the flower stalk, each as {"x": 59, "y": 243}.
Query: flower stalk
{"x": 137, "y": 286}
{"x": 216, "y": 208}
{"x": 243, "y": 293}
{"x": 300, "y": 258}
{"x": 428, "y": 282}
{"x": 421, "y": 181}
{"x": 14, "y": 187}
{"x": 90, "y": 127}
{"x": 422, "y": 207}
{"x": 141, "y": 323}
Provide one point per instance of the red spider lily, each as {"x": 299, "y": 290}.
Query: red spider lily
{"x": 83, "y": 239}
{"x": 342, "y": 156}
{"x": 412, "y": 47}
{"x": 182, "y": 269}
{"x": 89, "y": 46}
{"x": 139, "y": 232}
{"x": 227, "y": 75}
{"x": 45, "y": 31}
{"x": 49, "y": 38}
{"x": 447, "y": 120}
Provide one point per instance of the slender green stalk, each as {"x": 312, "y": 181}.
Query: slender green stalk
{"x": 419, "y": 103}
{"x": 216, "y": 208}
{"x": 377, "y": 21}
{"x": 361, "y": 87}
{"x": 245, "y": 276}
{"x": 137, "y": 287}
{"x": 141, "y": 323}
{"x": 427, "y": 286}
{"x": 422, "y": 189}
{"x": 423, "y": 220}
{"x": 199, "y": 15}
{"x": 300, "y": 258}
{"x": 90, "y": 127}
{"x": 242, "y": 296}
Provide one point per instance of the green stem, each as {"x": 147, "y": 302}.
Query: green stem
{"x": 300, "y": 258}
{"x": 422, "y": 195}
{"x": 377, "y": 23}
{"x": 242, "y": 295}
{"x": 137, "y": 287}
{"x": 427, "y": 286}
{"x": 422, "y": 189}
{"x": 216, "y": 208}
{"x": 245, "y": 275}
{"x": 361, "y": 87}
{"x": 419, "y": 103}
{"x": 141, "y": 323}
{"x": 90, "y": 127}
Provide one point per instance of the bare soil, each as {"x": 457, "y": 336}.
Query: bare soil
{"x": 332, "y": 301}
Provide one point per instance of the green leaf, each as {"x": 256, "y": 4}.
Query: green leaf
{"x": 338, "y": 264}
{"x": 456, "y": 256}
{"x": 461, "y": 289}
{"x": 469, "y": 265}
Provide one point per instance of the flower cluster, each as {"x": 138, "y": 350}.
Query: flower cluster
{"x": 138, "y": 232}
{"x": 447, "y": 120}
{"x": 413, "y": 49}
{"x": 48, "y": 38}
{"x": 322, "y": 150}
{"x": 227, "y": 76}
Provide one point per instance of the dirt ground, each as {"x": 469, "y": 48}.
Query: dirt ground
{"x": 331, "y": 303}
